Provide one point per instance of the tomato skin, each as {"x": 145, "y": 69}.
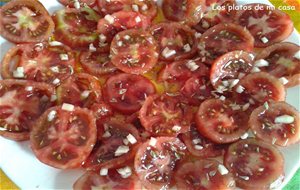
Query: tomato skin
{"x": 65, "y": 141}
{"x": 262, "y": 123}
{"x": 21, "y": 104}
{"x": 126, "y": 92}
{"x": 272, "y": 24}
{"x": 249, "y": 156}
{"x": 71, "y": 3}
{"x": 76, "y": 27}
{"x": 282, "y": 62}
{"x": 218, "y": 121}
{"x": 25, "y": 9}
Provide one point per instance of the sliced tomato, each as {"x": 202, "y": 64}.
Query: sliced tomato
{"x": 276, "y": 123}
{"x": 80, "y": 90}
{"x": 258, "y": 88}
{"x": 187, "y": 11}
{"x": 96, "y": 63}
{"x": 223, "y": 38}
{"x": 76, "y": 27}
{"x": 39, "y": 62}
{"x": 112, "y": 181}
{"x": 220, "y": 121}
{"x": 203, "y": 174}
{"x": 21, "y": 103}
{"x": 267, "y": 24}
{"x": 64, "y": 138}
{"x": 126, "y": 92}
{"x": 255, "y": 164}
{"x": 76, "y": 3}
{"x": 197, "y": 89}
{"x": 200, "y": 146}
{"x": 114, "y": 149}
{"x": 176, "y": 41}
{"x": 216, "y": 11}
{"x": 25, "y": 21}
{"x": 110, "y": 25}
{"x": 282, "y": 61}
{"x": 156, "y": 160}
{"x": 134, "y": 51}
{"x": 230, "y": 67}
{"x": 165, "y": 115}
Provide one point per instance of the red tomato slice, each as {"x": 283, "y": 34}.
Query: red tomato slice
{"x": 96, "y": 63}
{"x": 255, "y": 164}
{"x": 220, "y": 121}
{"x": 64, "y": 138}
{"x": 39, "y": 62}
{"x": 21, "y": 103}
{"x": 266, "y": 24}
{"x": 203, "y": 174}
{"x": 216, "y": 11}
{"x": 223, "y": 38}
{"x": 258, "y": 88}
{"x": 145, "y": 7}
{"x": 165, "y": 115}
{"x": 113, "y": 181}
{"x": 200, "y": 146}
{"x": 231, "y": 67}
{"x": 76, "y": 27}
{"x": 25, "y": 21}
{"x": 110, "y": 25}
{"x": 81, "y": 3}
{"x": 176, "y": 41}
{"x": 187, "y": 11}
{"x": 126, "y": 92}
{"x": 276, "y": 123}
{"x": 156, "y": 159}
{"x": 134, "y": 51}
{"x": 282, "y": 61}
{"x": 80, "y": 90}
{"x": 114, "y": 149}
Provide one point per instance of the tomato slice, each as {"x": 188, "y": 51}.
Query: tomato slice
{"x": 216, "y": 11}
{"x": 63, "y": 137}
{"x": 165, "y": 115}
{"x": 25, "y": 21}
{"x": 230, "y": 67}
{"x": 223, "y": 38}
{"x": 110, "y": 25}
{"x": 21, "y": 103}
{"x": 74, "y": 4}
{"x": 282, "y": 61}
{"x": 134, "y": 51}
{"x": 203, "y": 174}
{"x": 276, "y": 123}
{"x": 220, "y": 121}
{"x": 76, "y": 27}
{"x": 258, "y": 88}
{"x": 80, "y": 90}
{"x": 96, "y": 63}
{"x": 187, "y": 11}
{"x": 40, "y": 62}
{"x": 112, "y": 181}
{"x": 126, "y": 92}
{"x": 156, "y": 160}
{"x": 255, "y": 164}
{"x": 119, "y": 144}
{"x": 266, "y": 24}
{"x": 176, "y": 41}
{"x": 200, "y": 146}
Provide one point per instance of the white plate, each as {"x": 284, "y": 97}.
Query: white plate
{"x": 21, "y": 166}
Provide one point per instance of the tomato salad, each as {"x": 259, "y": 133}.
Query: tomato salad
{"x": 184, "y": 96}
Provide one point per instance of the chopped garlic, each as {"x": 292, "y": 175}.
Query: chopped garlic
{"x": 285, "y": 119}
{"x": 19, "y": 72}
{"x": 176, "y": 128}
{"x": 51, "y": 115}
{"x": 125, "y": 172}
{"x": 187, "y": 48}
{"x": 264, "y": 40}
{"x": 138, "y": 19}
{"x": 77, "y": 4}
{"x": 92, "y": 48}
{"x": 191, "y": 65}
{"x": 240, "y": 89}
{"x": 103, "y": 171}
{"x": 106, "y": 134}
{"x": 261, "y": 63}
{"x": 55, "y": 43}
{"x": 110, "y": 19}
{"x": 121, "y": 150}
{"x": 245, "y": 106}
{"x": 244, "y": 136}
{"x": 233, "y": 83}
{"x": 54, "y": 69}
{"x": 67, "y": 107}
{"x": 283, "y": 80}
{"x": 64, "y": 57}
{"x": 196, "y": 141}
{"x": 119, "y": 43}
{"x": 222, "y": 98}
{"x": 255, "y": 70}
{"x": 126, "y": 37}
{"x": 53, "y": 98}
{"x": 135, "y": 7}
{"x": 131, "y": 139}
{"x": 198, "y": 147}
{"x": 266, "y": 105}
{"x": 144, "y": 7}
{"x": 152, "y": 142}
{"x": 85, "y": 94}
{"x": 56, "y": 81}
{"x": 166, "y": 53}
{"x": 297, "y": 55}
{"x": 28, "y": 88}
{"x": 222, "y": 169}
{"x": 102, "y": 38}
